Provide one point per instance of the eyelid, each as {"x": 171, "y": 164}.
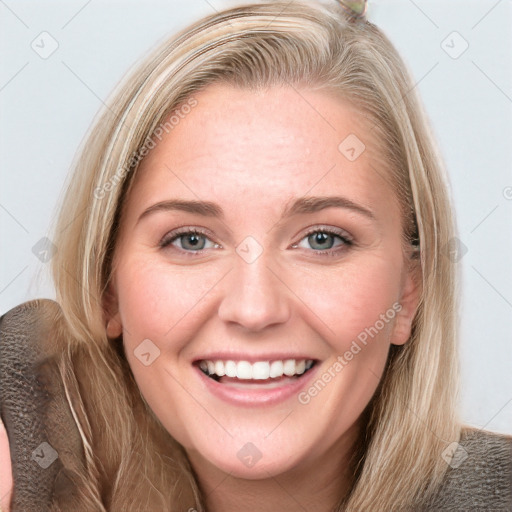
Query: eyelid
{"x": 173, "y": 235}
{"x": 331, "y": 230}
{"x": 347, "y": 241}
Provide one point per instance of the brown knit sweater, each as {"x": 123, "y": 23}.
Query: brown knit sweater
{"x": 45, "y": 443}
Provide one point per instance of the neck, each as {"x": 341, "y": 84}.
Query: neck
{"x": 316, "y": 484}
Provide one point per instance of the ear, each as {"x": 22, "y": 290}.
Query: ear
{"x": 409, "y": 301}
{"x": 114, "y": 327}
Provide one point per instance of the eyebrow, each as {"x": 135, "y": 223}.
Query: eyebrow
{"x": 301, "y": 205}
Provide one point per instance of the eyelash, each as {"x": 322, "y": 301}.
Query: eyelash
{"x": 341, "y": 234}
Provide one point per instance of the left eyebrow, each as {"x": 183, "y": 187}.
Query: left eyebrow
{"x": 315, "y": 204}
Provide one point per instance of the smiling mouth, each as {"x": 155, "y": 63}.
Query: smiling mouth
{"x": 259, "y": 371}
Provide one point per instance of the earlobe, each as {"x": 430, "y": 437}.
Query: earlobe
{"x": 409, "y": 301}
{"x": 114, "y": 326}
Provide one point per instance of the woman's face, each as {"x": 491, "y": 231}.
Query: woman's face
{"x": 296, "y": 260}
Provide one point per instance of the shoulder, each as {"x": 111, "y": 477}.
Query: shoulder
{"x": 479, "y": 476}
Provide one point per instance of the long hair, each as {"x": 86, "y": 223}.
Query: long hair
{"x": 132, "y": 463}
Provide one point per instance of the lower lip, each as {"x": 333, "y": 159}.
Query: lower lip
{"x": 244, "y": 396}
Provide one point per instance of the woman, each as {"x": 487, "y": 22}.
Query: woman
{"x": 212, "y": 356}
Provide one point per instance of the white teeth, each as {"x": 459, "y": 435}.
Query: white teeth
{"x": 276, "y": 369}
{"x": 289, "y": 367}
{"x": 244, "y": 370}
{"x": 260, "y": 370}
{"x": 219, "y": 368}
{"x": 300, "y": 367}
{"x": 230, "y": 368}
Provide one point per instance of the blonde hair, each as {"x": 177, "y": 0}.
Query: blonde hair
{"x": 413, "y": 415}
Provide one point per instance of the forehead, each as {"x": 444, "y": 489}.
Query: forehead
{"x": 258, "y": 147}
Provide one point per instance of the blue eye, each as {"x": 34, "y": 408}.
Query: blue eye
{"x": 324, "y": 240}
{"x": 190, "y": 240}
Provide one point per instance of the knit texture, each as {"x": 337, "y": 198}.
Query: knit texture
{"x": 481, "y": 477}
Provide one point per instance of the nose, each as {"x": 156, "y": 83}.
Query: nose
{"x": 255, "y": 296}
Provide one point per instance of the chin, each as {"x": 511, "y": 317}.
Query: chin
{"x": 251, "y": 463}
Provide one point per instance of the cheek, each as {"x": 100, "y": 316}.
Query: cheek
{"x": 358, "y": 307}
{"x": 354, "y": 299}
{"x": 157, "y": 305}
{"x": 156, "y": 301}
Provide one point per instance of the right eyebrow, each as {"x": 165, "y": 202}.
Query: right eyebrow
{"x": 204, "y": 208}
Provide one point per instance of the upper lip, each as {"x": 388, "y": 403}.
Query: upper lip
{"x": 253, "y": 358}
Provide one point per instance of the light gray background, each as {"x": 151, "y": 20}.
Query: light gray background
{"x": 46, "y": 106}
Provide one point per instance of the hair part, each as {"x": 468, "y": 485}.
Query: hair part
{"x": 412, "y": 417}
